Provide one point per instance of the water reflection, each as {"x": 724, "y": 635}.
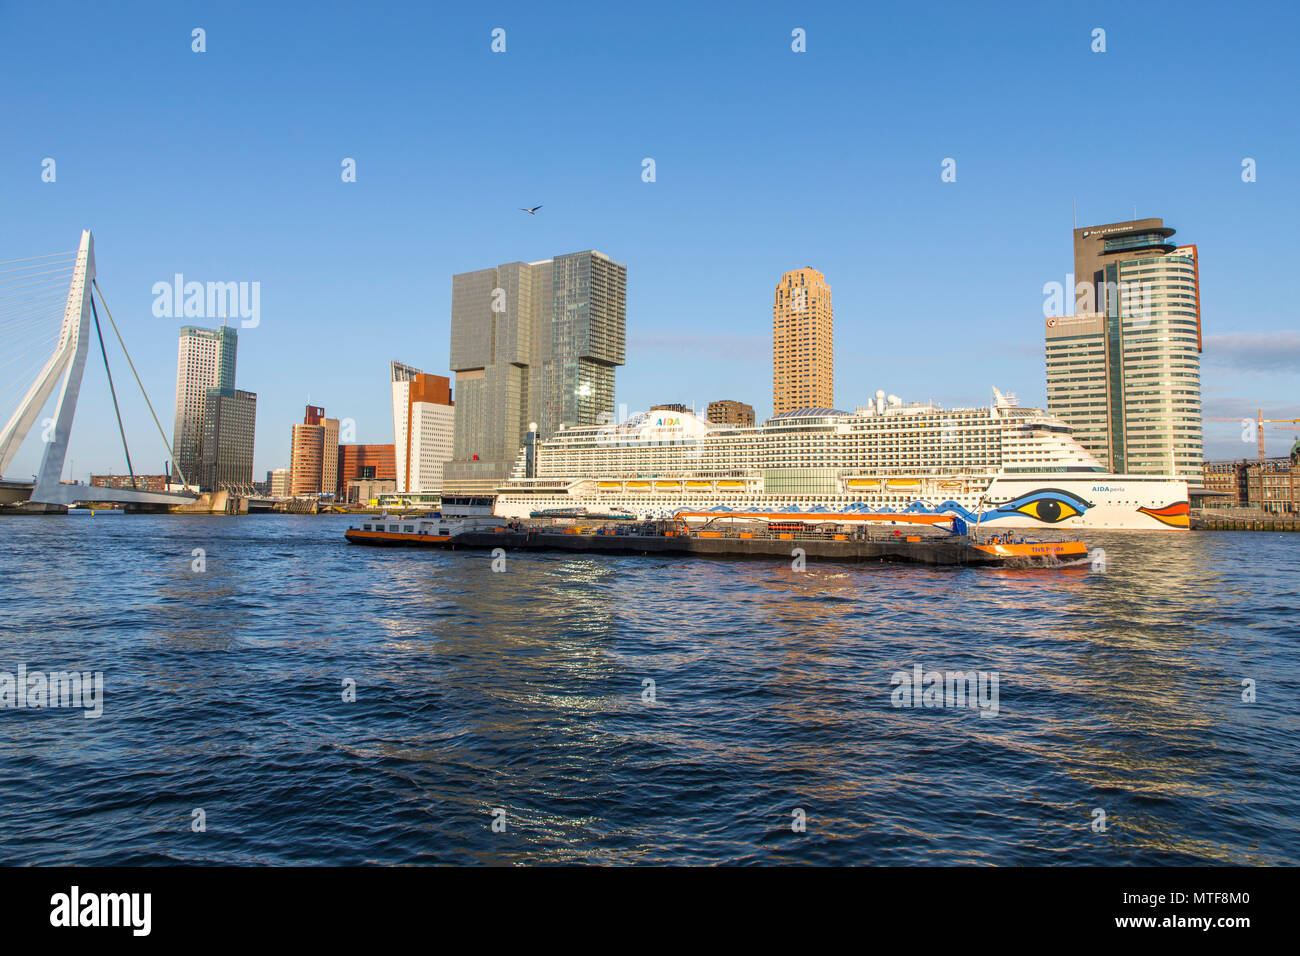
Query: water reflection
{"x": 525, "y": 691}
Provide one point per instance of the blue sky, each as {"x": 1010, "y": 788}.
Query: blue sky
{"x": 225, "y": 166}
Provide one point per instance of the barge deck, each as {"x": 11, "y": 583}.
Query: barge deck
{"x": 934, "y": 550}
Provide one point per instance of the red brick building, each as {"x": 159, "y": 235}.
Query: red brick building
{"x": 142, "y": 482}
{"x": 365, "y": 463}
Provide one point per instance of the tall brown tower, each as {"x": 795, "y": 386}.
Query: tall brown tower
{"x": 803, "y": 357}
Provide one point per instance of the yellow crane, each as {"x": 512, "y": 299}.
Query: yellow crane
{"x": 1260, "y": 422}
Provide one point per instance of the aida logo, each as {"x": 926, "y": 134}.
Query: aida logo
{"x": 668, "y": 422}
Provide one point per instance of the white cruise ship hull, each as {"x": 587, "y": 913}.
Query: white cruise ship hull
{"x": 1046, "y": 500}
{"x": 1001, "y": 465}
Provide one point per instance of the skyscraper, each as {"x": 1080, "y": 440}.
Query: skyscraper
{"x": 423, "y": 422}
{"x": 531, "y": 342}
{"x": 206, "y": 359}
{"x": 314, "y": 454}
{"x": 1124, "y": 370}
{"x": 226, "y": 448}
{"x": 803, "y": 347}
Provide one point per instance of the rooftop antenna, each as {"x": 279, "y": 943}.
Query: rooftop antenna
{"x": 1076, "y": 212}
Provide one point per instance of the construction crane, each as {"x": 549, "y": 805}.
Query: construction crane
{"x": 1260, "y": 422}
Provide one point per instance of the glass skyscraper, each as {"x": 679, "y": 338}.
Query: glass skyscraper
{"x": 229, "y": 425}
{"x": 531, "y": 342}
{"x": 205, "y": 360}
{"x": 1124, "y": 370}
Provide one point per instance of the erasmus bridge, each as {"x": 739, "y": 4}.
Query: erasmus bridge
{"x": 41, "y": 346}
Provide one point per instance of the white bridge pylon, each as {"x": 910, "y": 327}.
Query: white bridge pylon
{"x": 68, "y": 362}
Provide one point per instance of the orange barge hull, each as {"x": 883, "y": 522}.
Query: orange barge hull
{"x": 1059, "y": 550}
{"x": 396, "y": 538}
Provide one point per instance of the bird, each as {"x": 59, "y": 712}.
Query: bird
{"x": 531, "y": 212}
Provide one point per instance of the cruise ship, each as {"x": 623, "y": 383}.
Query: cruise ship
{"x": 1001, "y": 466}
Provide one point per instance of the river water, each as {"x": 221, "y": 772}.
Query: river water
{"x": 639, "y": 710}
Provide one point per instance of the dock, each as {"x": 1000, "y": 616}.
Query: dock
{"x": 1209, "y": 520}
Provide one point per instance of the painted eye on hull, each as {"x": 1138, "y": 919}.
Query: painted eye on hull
{"x": 1049, "y": 506}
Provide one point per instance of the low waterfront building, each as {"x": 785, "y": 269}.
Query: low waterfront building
{"x": 368, "y": 491}
{"x": 1226, "y": 483}
{"x": 141, "y": 482}
{"x": 411, "y": 500}
{"x": 278, "y": 482}
{"x": 1271, "y": 486}
{"x": 728, "y": 412}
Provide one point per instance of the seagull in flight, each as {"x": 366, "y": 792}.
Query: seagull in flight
{"x": 531, "y": 212}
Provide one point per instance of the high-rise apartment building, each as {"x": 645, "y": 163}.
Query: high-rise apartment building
{"x": 803, "y": 347}
{"x": 314, "y": 454}
{"x": 329, "y": 466}
{"x": 226, "y": 447}
{"x": 305, "y": 452}
{"x": 728, "y": 412}
{"x": 1124, "y": 370}
{"x": 423, "y": 425}
{"x": 206, "y": 359}
{"x": 531, "y": 342}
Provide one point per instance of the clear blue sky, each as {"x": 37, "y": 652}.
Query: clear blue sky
{"x": 225, "y": 166}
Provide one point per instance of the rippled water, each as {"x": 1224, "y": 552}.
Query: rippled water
{"x": 523, "y": 691}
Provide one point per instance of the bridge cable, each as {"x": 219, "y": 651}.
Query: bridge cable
{"x": 50, "y": 255}
{"x": 112, "y": 391}
{"x": 166, "y": 443}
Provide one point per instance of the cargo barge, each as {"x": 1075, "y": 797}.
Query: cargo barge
{"x": 913, "y": 539}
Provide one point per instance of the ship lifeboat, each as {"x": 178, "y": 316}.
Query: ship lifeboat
{"x": 731, "y": 485}
{"x": 609, "y": 485}
{"x": 638, "y": 486}
{"x": 668, "y": 486}
{"x": 699, "y": 485}
{"x": 903, "y": 484}
{"x": 863, "y": 483}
